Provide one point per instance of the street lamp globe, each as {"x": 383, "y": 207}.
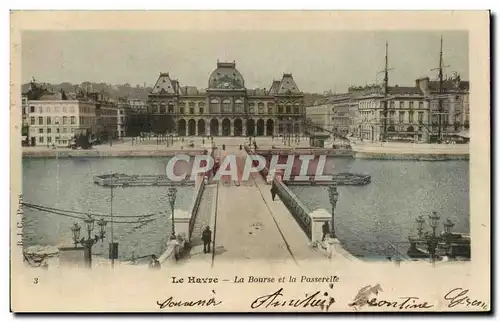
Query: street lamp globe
{"x": 434, "y": 219}
{"x": 76, "y": 232}
{"x": 89, "y": 221}
{"x": 420, "y": 222}
{"x": 172, "y": 195}
{"x": 333, "y": 194}
{"x": 448, "y": 225}
{"x": 102, "y": 225}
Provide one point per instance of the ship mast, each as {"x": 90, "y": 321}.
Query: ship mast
{"x": 386, "y": 88}
{"x": 385, "y": 100}
{"x": 440, "y": 90}
{"x": 440, "y": 101}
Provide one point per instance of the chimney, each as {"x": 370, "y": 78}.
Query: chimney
{"x": 423, "y": 84}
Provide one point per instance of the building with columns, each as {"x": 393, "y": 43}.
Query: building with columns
{"x": 226, "y": 107}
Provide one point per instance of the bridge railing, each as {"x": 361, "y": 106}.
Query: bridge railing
{"x": 297, "y": 209}
{"x": 196, "y": 205}
{"x": 264, "y": 172}
{"x": 199, "y": 195}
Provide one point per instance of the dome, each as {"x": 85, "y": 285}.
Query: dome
{"x": 226, "y": 76}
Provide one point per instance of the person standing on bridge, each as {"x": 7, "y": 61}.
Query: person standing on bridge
{"x": 326, "y": 230}
{"x": 206, "y": 236}
{"x": 274, "y": 190}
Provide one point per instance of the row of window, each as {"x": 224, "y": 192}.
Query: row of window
{"x": 64, "y": 109}
{"x": 226, "y": 108}
{"x": 50, "y": 140}
{"x": 445, "y": 118}
{"x": 401, "y": 104}
{"x": 411, "y": 116}
{"x": 57, "y": 130}
{"x": 392, "y": 116}
{"x": 64, "y": 120}
{"x": 48, "y": 120}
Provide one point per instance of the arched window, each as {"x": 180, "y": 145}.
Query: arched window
{"x": 214, "y": 106}
{"x": 251, "y": 108}
{"x": 296, "y": 108}
{"x": 201, "y": 107}
{"x": 288, "y": 108}
{"x": 238, "y": 106}
{"x": 170, "y": 107}
{"x": 191, "y": 107}
{"x": 163, "y": 108}
{"x": 281, "y": 108}
{"x": 270, "y": 107}
{"x": 261, "y": 108}
{"x": 153, "y": 107}
{"x": 226, "y": 106}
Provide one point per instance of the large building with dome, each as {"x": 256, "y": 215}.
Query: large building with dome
{"x": 226, "y": 107}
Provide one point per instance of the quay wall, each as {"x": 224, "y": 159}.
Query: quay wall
{"x": 64, "y": 154}
{"x": 411, "y": 151}
{"x": 410, "y": 156}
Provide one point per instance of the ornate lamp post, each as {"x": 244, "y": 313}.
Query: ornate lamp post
{"x": 76, "y": 233}
{"x": 433, "y": 222}
{"x": 90, "y": 241}
{"x": 448, "y": 225}
{"x": 172, "y": 195}
{"x": 334, "y": 197}
{"x": 420, "y": 226}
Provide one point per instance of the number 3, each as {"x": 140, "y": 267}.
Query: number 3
{"x": 35, "y": 280}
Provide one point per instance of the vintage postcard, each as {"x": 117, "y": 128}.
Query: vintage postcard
{"x": 252, "y": 161}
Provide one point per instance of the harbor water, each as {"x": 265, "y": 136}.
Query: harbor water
{"x": 68, "y": 184}
{"x": 371, "y": 221}
{"x": 375, "y": 220}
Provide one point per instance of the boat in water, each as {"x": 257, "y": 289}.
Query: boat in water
{"x": 125, "y": 180}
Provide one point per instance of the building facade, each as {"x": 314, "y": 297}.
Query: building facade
{"x": 454, "y": 111}
{"x": 24, "y": 109}
{"x": 106, "y": 114}
{"x": 341, "y": 111}
{"x": 226, "y": 107}
{"x": 412, "y": 112}
{"x": 56, "y": 122}
{"x": 320, "y": 115}
{"x": 123, "y": 111}
{"x": 138, "y": 105}
{"x": 407, "y": 113}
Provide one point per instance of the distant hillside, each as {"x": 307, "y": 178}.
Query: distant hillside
{"x": 114, "y": 91}
{"x": 126, "y": 90}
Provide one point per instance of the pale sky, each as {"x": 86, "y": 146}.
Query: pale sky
{"x": 319, "y": 60}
